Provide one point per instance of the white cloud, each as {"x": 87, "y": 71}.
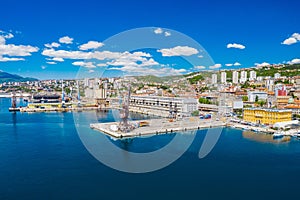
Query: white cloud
{"x": 43, "y": 67}
{"x": 59, "y": 55}
{"x": 161, "y": 31}
{"x": 167, "y": 34}
{"x": 12, "y": 52}
{"x": 237, "y": 64}
{"x": 295, "y": 38}
{"x": 264, "y": 64}
{"x": 200, "y": 56}
{"x": 63, "y": 54}
{"x": 216, "y": 66}
{"x": 294, "y": 61}
{"x": 91, "y": 45}
{"x": 289, "y": 41}
{"x": 141, "y": 71}
{"x": 236, "y": 46}
{"x": 17, "y": 50}
{"x": 199, "y": 67}
{"x": 8, "y": 36}
{"x": 66, "y": 40}
{"x": 91, "y": 71}
{"x": 51, "y": 63}
{"x": 102, "y": 65}
{"x": 6, "y": 59}
{"x": 158, "y": 31}
{"x": 52, "y": 45}
{"x": 233, "y": 64}
{"x": 84, "y": 64}
{"x": 180, "y": 70}
{"x": 178, "y": 51}
{"x": 58, "y": 59}
{"x": 133, "y": 61}
{"x": 2, "y": 40}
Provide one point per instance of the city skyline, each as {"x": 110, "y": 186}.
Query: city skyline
{"x": 234, "y": 36}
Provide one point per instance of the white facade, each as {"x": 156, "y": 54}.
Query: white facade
{"x": 277, "y": 75}
{"x": 270, "y": 84}
{"x": 163, "y": 105}
{"x": 235, "y": 77}
{"x": 214, "y": 79}
{"x": 252, "y": 75}
{"x": 260, "y": 78}
{"x": 223, "y": 77}
{"x": 243, "y": 76}
{"x": 238, "y": 104}
{"x": 261, "y": 96}
{"x": 95, "y": 93}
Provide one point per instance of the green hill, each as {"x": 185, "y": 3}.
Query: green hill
{"x": 6, "y": 77}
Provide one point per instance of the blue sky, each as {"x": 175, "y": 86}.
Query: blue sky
{"x": 256, "y": 30}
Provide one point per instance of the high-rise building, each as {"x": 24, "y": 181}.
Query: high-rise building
{"x": 214, "y": 79}
{"x": 235, "y": 77}
{"x": 223, "y": 77}
{"x": 270, "y": 84}
{"x": 243, "y": 77}
{"x": 252, "y": 75}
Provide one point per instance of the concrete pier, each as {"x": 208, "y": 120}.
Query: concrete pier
{"x": 157, "y": 126}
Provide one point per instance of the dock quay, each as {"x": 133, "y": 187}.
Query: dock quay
{"x": 266, "y": 130}
{"x": 157, "y": 126}
{"x": 251, "y": 128}
{"x": 72, "y": 109}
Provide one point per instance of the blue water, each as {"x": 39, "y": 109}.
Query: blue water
{"x": 42, "y": 157}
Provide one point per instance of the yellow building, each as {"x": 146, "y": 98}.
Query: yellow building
{"x": 266, "y": 116}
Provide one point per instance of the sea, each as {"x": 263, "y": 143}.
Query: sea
{"x": 42, "y": 156}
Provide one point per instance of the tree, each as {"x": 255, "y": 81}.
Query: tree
{"x": 67, "y": 90}
{"x": 245, "y": 98}
{"x": 293, "y": 95}
{"x": 204, "y": 101}
{"x": 261, "y": 103}
{"x": 195, "y": 113}
{"x": 256, "y": 99}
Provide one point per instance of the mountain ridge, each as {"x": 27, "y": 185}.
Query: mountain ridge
{"x": 7, "y": 77}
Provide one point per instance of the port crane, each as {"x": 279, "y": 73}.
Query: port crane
{"x": 124, "y": 125}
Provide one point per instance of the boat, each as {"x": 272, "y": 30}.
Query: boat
{"x": 278, "y": 135}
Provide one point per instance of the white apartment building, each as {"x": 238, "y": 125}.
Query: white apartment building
{"x": 243, "y": 76}
{"x": 214, "y": 79}
{"x": 252, "y": 76}
{"x": 223, "y": 77}
{"x": 235, "y": 77}
{"x": 270, "y": 84}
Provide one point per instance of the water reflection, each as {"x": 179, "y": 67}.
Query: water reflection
{"x": 264, "y": 138}
{"x": 14, "y": 118}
